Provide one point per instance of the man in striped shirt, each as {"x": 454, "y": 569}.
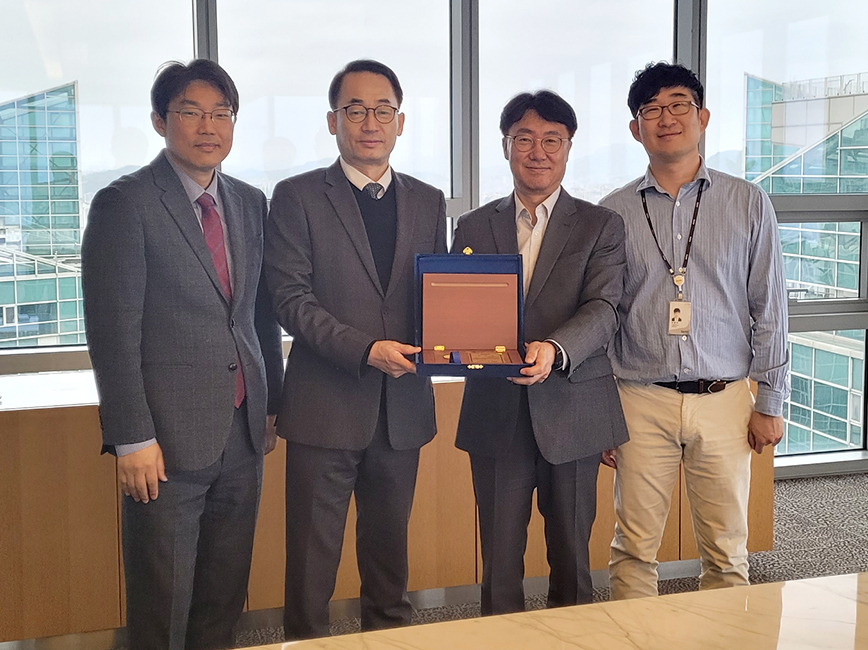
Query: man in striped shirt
{"x": 704, "y": 308}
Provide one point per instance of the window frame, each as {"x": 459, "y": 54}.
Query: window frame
{"x": 689, "y": 48}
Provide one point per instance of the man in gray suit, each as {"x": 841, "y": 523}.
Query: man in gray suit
{"x": 186, "y": 355}
{"x": 339, "y": 261}
{"x": 547, "y": 429}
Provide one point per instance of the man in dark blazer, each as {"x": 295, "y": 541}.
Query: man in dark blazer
{"x": 339, "y": 260}
{"x": 187, "y": 359}
{"x": 547, "y": 429}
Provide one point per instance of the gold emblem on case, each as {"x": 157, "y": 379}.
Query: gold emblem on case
{"x": 439, "y": 348}
{"x": 467, "y": 250}
{"x": 500, "y": 349}
{"x": 475, "y": 366}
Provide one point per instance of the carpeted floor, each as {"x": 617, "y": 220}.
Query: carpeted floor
{"x": 821, "y": 528}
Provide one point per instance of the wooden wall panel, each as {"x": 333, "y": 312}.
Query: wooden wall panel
{"x": 58, "y": 541}
{"x": 269, "y": 551}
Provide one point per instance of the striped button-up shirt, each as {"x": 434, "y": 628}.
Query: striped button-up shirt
{"x": 734, "y": 282}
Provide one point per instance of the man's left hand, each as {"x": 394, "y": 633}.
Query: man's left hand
{"x": 542, "y": 355}
{"x": 764, "y": 430}
{"x": 270, "y": 433}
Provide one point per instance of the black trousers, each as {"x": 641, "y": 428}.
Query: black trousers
{"x": 187, "y": 552}
{"x": 319, "y": 483}
{"x": 567, "y": 499}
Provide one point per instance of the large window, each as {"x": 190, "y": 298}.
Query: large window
{"x": 588, "y": 54}
{"x": 786, "y": 82}
{"x": 74, "y": 115}
{"x": 788, "y": 91}
{"x": 283, "y": 66}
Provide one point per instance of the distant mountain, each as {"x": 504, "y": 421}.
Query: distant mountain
{"x": 93, "y": 182}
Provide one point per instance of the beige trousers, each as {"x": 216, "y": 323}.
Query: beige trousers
{"x": 708, "y": 435}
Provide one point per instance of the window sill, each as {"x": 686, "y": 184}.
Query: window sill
{"x": 821, "y": 464}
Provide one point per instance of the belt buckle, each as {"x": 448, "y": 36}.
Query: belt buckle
{"x": 713, "y": 386}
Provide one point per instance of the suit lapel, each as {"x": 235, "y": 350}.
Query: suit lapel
{"x": 561, "y": 222}
{"x": 178, "y": 205}
{"x": 340, "y": 194}
{"x": 503, "y": 227}
{"x": 406, "y": 225}
{"x": 233, "y": 213}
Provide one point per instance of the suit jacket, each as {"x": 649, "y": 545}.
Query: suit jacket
{"x": 573, "y": 299}
{"x": 327, "y": 295}
{"x": 163, "y": 339}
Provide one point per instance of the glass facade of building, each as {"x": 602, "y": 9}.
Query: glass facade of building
{"x": 40, "y": 220}
{"x": 824, "y": 412}
{"x": 811, "y": 137}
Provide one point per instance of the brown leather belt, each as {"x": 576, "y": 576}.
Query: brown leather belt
{"x": 698, "y": 386}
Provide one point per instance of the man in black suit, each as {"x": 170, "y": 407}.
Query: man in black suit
{"x": 187, "y": 359}
{"x": 339, "y": 261}
{"x": 547, "y": 429}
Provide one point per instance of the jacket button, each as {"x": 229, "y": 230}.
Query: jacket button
{"x": 233, "y": 367}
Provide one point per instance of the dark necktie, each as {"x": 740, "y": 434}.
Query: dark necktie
{"x": 213, "y": 230}
{"x": 373, "y": 190}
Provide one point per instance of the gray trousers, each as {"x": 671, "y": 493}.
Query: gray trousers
{"x": 319, "y": 483}
{"x": 567, "y": 499}
{"x": 187, "y": 553}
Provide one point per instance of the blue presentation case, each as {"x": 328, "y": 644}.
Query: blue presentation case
{"x": 469, "y": 315}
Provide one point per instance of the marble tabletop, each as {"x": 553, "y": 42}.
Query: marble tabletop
{"x": 827, "y": 613}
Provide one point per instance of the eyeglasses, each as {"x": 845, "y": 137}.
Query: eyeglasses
{"x": 675, "y": 108}
{"x": 358, "y": 113}
{"x": 524, "y": 143}
{"x": 194, "y": 115}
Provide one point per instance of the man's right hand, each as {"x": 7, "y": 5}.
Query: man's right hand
{"x": 389, "y": 356}
{"x": 140, "y": 473}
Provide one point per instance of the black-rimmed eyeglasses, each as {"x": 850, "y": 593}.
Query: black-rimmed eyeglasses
{"x": 357, "y": 112}
{"x": 524, "y": 143}
{"x": 675, "y": 108}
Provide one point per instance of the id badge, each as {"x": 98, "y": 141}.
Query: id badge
{"x": 679, "y": 317}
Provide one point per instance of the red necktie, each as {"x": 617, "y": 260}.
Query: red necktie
{"x": 213, "y": 230}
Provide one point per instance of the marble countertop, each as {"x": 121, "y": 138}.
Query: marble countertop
{"x": 828, "y": 613}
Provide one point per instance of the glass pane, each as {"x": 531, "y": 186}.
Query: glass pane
{"x": 590, "y": 64}
{"x": 283, "y": 82}
{"x": 824, "y": 412}
{"x": 74, "y": 115}
{"x": 821, "y": 260}
{"x": 794, "y": 76}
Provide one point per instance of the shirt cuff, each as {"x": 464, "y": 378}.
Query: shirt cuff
{"x": 363, "y": 368}
{"x": 564, "y": 355}
{"x": 769, "y": 402}
{"x": 125, "y": 450}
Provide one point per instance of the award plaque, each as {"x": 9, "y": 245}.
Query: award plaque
{"x": 469, "y": 312}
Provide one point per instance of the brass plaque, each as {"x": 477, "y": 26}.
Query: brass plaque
{"x": 485, "y": 357}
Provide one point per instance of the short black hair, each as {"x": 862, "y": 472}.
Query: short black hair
{"x": 649, "y": 81}
{"x": 548, "y": 105}
{"x": 173, "y": 77}
{"x": 364, "y": 65}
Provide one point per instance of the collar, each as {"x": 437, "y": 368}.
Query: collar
{"x": 191, "y": 187}
{"x": 648, "y": 181}
{"x": 359, "y": 180}
{"x": 548, "y": 203}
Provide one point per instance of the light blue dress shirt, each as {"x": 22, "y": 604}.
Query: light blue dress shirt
{"x": 734, "y": 282}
